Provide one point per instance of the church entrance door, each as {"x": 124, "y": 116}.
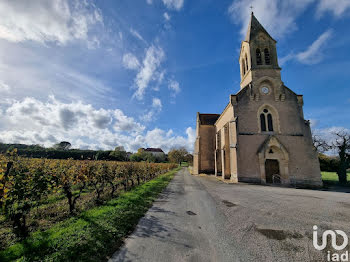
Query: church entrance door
{"x": 272, "y": 171}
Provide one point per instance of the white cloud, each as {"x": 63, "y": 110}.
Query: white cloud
{"x": 137, "y": 35}
{"x": 31, "y": 121}
{"x": 148, "y": 116}
{"x": 156, "y": 103}
{"x": 152, "y": 114}
{"x": 313, "y": 54}
{"x": 174, "y": 4}
{"x": 130, "y": 61}
{"x": 166, "y": 16}
{"x": 150, "y": 65}
{"x": 41, "y": 77}
{"x": 174, "y": 86}
{"x": 314, "y": 123}
{"x": 337, "y": 7}
{"x": 286, "y": 58}
{"x": 166, "y": 140}
{"x": 278, "y": 17}
{"x": 159, "y": 76}
{"x": 59, "y": 21}
{"x": 191, "y": 135}
{"x": 4, "y": 87}
{"x": 124, "y": 123}
{"x": 149, "y": 2}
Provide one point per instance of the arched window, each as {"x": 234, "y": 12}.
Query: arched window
{"x": 262, "y": 123}
{"x": 266, "y": 121}
{"x": 267, "y": 56}
{"x": 258, "y": 57}
{"x": 269, "y": 122}
{"x": 246, "y": 62}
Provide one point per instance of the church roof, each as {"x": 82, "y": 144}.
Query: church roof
{"x": 254, "y": 28}
{"x": 208, "y": 119}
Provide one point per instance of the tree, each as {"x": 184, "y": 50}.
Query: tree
{"x": 119, "y": 148}
{"x": 342, "y": 145}
{"x": 189, "y": 158}
{"x": 320, "y": 144}
{"x": 119, "y": 154}
{"x": 103, "y": 155}
{"x": 64, "y": 145}
{"x": 177, "y": 155}
{"x": 142, "y": 156}
{"x": 135, "y": 157}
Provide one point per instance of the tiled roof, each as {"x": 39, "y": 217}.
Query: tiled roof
{"x": 154, "y": 150}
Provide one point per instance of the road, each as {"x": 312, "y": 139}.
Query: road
{"x": 199, "y": 218}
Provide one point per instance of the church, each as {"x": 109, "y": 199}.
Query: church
{"x": 261, "y": 136}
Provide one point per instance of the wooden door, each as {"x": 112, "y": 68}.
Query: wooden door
{"x": 272, "y": 171}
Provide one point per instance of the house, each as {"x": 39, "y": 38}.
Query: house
{"x": 157, "y": 152}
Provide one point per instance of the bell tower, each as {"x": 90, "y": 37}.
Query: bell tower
{"x": 258, "y": 58}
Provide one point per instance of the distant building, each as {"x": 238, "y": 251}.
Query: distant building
{"x": 261, "y": 136}
{"x": 154, "y": 151}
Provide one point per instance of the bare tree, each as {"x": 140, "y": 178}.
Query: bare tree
{"x": 342, "y": 145}
{"x": 320, "y": 144}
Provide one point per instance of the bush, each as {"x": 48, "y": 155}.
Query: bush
{"x": 328, "y": 163}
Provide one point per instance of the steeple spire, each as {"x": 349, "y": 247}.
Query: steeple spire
{"x": 258, "y": 55}
{"x": 254, "y": 28}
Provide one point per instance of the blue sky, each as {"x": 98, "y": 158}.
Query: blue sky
{"x": 134, "y": 73}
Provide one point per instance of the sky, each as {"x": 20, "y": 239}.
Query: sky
{"x": 134, "y": 73}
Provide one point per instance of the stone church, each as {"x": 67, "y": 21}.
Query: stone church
{"x": 261, "y": 136}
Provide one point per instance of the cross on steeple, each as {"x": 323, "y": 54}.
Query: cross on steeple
{"x": 251, "y": 8}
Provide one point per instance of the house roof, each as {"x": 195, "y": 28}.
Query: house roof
{"x": 208, "y": 119}
{"x": 254, "y": 28}
{"x": 150, "y": 149}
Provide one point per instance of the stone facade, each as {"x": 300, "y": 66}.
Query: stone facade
{"x": 261, "y": 136}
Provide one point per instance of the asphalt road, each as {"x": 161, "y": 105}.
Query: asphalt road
{"x": 203, "y": 219}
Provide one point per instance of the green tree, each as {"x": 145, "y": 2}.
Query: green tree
{"x": 143, "y": 156}
{"x": 119, "y": 154}
{"x": 102, "y": 155}
{"x": 177, "y": 155}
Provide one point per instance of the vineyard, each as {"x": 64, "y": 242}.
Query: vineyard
{"x": 36, "y": 193}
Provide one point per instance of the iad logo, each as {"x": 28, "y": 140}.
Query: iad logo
{"x": 333, "y": 235}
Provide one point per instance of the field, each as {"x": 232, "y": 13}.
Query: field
{"x": 331, "y": 177}
{"x": 61, "y": 202}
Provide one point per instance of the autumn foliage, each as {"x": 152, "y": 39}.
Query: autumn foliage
{"x": 25, "y": 183}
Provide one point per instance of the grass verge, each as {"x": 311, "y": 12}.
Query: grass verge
{"x": 93, "y": 235}
{"x": 332, "y": 177}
